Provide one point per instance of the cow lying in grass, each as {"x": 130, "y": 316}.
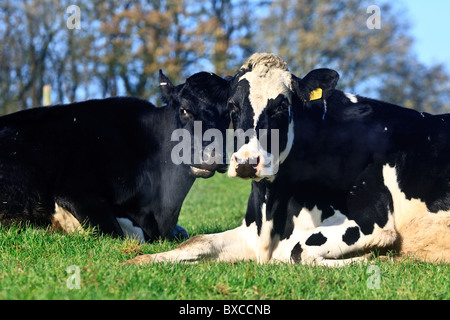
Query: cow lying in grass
{"x": 346, "y": 175}
{"x": 108, "y": 162}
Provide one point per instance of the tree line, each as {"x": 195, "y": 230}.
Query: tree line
{"x": 120, "y": 46}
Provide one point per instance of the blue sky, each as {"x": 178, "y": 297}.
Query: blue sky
{"x": 430, "y": 27}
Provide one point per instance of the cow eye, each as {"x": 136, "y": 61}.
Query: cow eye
{"x": 184, "y": 113}
{"x": 280, "y": 108}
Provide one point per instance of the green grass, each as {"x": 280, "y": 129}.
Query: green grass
{"x": 33, "y": 264}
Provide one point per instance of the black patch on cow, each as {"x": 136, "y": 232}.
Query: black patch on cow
{"x": 316, "y": 239}
{"x": 351, "y": 235}
{"x": 276, "y": 116}
{"x": 296, "y": 253}
{"x": 240, "y": 107}
{"x": 255, "y": 201}
{"x": 369, "y": 201}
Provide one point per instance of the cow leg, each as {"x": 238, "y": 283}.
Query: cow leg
{"x": 180, "y": 233}
{"x": 369, "y": 223}
{"x": 231, "y": 245}
{"x": 96, "y": 212}
{"x": 325, "y": 247}
{"x": 329, "y": 243}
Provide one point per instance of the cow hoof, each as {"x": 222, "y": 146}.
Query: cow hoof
{"x": 180, "y": 233}
{"x": 145, "y": 258}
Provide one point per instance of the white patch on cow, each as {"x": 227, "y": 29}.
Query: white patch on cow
{"x": 382, "y": 237}
{"x": 283, "y": 251}
{"x": 427, "y": 237}
{"x": 308, "y": 219}
{"x": 422, "y": 233}
{"x": 131, "y": 231}
{"x": 404, "y": 209}
{"x": 266, "y": 84}
{"x": 333, "y": 228}
{"x": 266, "y": 243}
{"x": 65, "y": 221}
{"x": 351, "y": 97}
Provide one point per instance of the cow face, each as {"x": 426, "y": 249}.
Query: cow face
{"x": 202, "y": 116}
{"x": 264, "y": 99}
{"x": 261, "y": 101}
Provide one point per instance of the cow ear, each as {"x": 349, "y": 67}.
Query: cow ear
{"x": 166, "y": 87}
{"x": 318, "y": 84}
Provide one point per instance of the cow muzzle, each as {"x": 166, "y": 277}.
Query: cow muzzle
{"x": 246, "y": 167}
{"x": 211, "y": 163}
{"x": 251, "y": 161}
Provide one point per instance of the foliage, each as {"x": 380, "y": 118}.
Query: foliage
{"x": 121, "y": 45}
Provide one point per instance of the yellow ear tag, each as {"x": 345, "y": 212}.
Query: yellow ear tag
{"x": 315, "y": 94}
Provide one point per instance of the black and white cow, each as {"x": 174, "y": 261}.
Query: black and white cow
{"x": 351, "y": 174}
{"x": 108, "y": 162}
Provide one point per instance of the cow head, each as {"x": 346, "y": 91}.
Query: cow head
{"x": 200, "y": 106}
{"x": 264, "y": 101}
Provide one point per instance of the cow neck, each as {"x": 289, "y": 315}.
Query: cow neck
{"x": 177, "y": 176}
{"x": 165, "y": 124}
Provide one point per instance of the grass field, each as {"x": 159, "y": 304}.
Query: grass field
{"x": 36, "y": 264}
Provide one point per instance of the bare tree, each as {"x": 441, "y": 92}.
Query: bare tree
{"x": 122, "y": 44}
